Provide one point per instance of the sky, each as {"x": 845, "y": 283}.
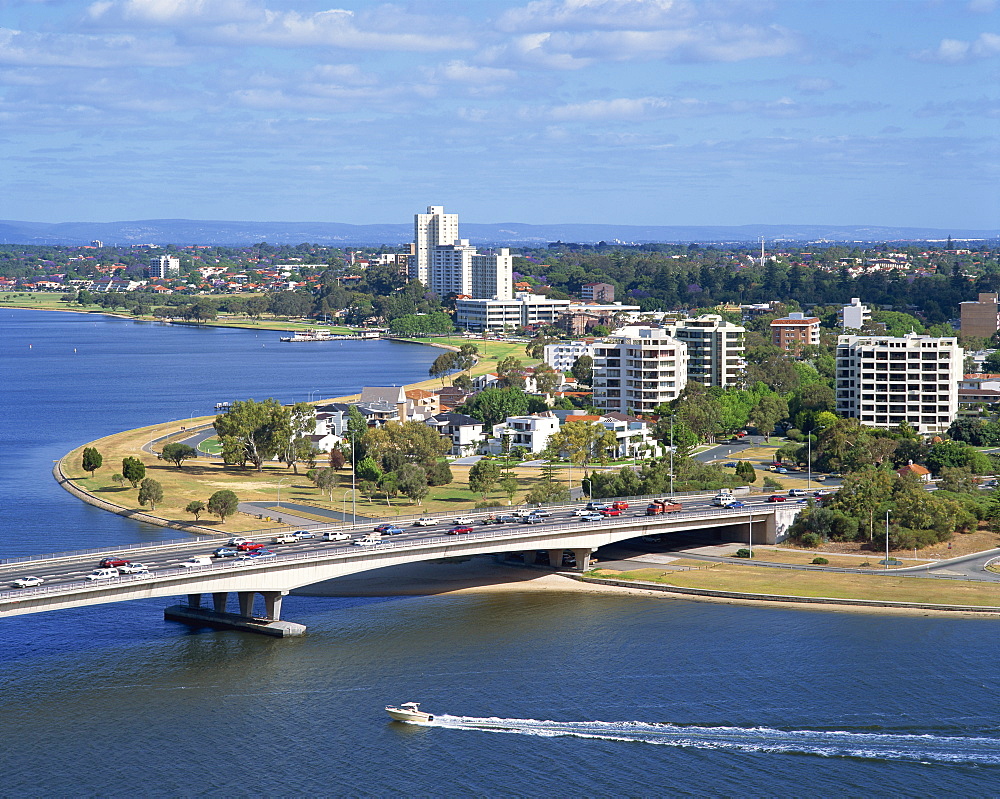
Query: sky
{"x": 651, "y": 112}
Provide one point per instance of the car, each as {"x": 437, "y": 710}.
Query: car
{"x": 775, "y": 498}
{"x": 463, "y": 520}
{"x": 730, "y": 464}
{"x": 797, "y": 492}
{"x": 284, "y": 538}
{"x": 301, "y": 534}
{"x": 610, "y": 512}
{"x": 103, "y": 574}
{"x": 819, "y": 478}
{"x": 507, "y": 519}
{"x": 260, "y": 553}
{"x": 620, "y": 505}
{"x": 383, "y": 527}
{"x": 592, "y": 516}
{"x": 336, "y": 535}
{"x": 424, "y": 521}
{"x": 532, "y": 518}
{"x": 581, "y": 512}
{"x": 132, "y": 568}
{"x": 598, "y": 506}
{"x": 540, "y": 512}
{"x": 236, "y": 540}
{"x": 28, "y": 582}
{"x": 781, "y": 470}
{"x": 836, "y": 474}
{"x": 197, "y": 560}
{"x": 653, "y": 539}
{"x": 110, "y": 563}
{"x": 390, "y": 529}
{"x": 225, "y": 552}
{"x": 736, "y": 504}
{"x": 142, "y": 574}
{"x": 369, "y": 540}
{"x": 249, "y": 546}
{"x": 460, "y": 529}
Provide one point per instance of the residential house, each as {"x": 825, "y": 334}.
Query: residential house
{"x": 465, "y": 433}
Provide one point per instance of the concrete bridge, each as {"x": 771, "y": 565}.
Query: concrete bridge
{"x": 314, "y": 561}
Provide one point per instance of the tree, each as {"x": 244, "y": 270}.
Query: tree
{"x": 177, "y": 453}
{"x": 195, "y": 506}
{"x": 150, "y": 491}
{"x": 368, "y": 469}
{"x": 547, "y": 491}
{"x": 493, "y": 405}
{"x": 439, "y": 473}
{"x": 134, "y": 470}
{"x": 702, "y": 413}
{"x": 327, "y": 480}
{"x": 483, "y": 476}
{"x": 337, "y": 458}
{"x": 463, "y": 382}
{"x": 118, "y": 478}
{"x": 957, "y": 454}
{"x": 407, "y": 442}
{"x": 443, "y": 364}
{"x": 292, "y": 437}
{"x": 768, "y": 411}
{"x": 583, "y": 369}
{"x": 581, "y": 442}
{"x": 92, "y": 460}
{"x": 509, "y": 486}
{"x": 223, "y": 503}
{"x": 412, "y": 482}
{"x": 389, "y": 486}
{"x": 510, "y": 371}
{"x": 252, "y": 431}
{"x": 547, "y": 379}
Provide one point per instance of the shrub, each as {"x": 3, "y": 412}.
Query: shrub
{"x": 743, "y": 553}
{"x": 810, "y": 540}
{"x": 794, "y": 434}
{"x": 818, "y": 561}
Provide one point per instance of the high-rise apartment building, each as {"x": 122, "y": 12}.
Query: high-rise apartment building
{"x": 714, "y": 349}
{"x": 430, "y": 230}
{"x": 637, "y": 369}
{"x": 980, "y": 318}
{"x": 450, "y": 266}
{"x": 885, "y": 380}
{"x": 795, "y": 331}
{"x": 854, "y": 316}
{"x": 162, "y": 266}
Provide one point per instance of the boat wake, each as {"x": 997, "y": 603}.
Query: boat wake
{"x": 926, "y": 748}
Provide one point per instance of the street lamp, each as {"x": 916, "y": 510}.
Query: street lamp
{"x": 280, "y": 482}
{"x": 343, "y": 503}
{"x": 887, "y": 540}
{"x": 750, "y": 533}
{"x": 671, "y": 456}
{"x": 809, "y": 461}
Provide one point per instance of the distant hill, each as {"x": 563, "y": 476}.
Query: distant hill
{"x": 187, "y": 231}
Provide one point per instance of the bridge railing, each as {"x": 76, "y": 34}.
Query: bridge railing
{"x": 386, "y": 544}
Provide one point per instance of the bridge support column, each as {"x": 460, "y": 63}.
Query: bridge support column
{"x": 272, "y": 604}
{"x": 582, "y": 558}
{"x": 246, "y": 602}
{"x": 194, "y": 600}
{"x": 529, "y": 557}
{"x": 555, "y": 558}
{"x": 219, "y": 601}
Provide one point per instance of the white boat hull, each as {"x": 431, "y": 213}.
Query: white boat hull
{"x": 398, "y": 714}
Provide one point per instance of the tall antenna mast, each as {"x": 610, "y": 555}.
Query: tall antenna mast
{"x": 761, "y": 250}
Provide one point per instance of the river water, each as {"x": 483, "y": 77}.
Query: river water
{"x": 537, "y": 694}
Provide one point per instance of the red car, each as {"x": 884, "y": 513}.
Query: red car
{"x": 611, "y": 512}
{"x": 110, "y": 563}
{"x": 620, "y": 505}
{"x": 249, "y": 546}
{"x": 775, "y": 498}
{"x": 459, "y": 530}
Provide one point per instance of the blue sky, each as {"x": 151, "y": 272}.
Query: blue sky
{"x": 670, "y": 112}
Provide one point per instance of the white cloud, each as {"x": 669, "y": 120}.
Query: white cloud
{"x": 982, "y": 6}
{"x": 569, "y": 34}
{"x": 20, "y": 48}
{"x": 957, "y": 51}
{"x": 462, "y": 72}
{"x": 814, "y": 85}
{"x": 247, "y": 22}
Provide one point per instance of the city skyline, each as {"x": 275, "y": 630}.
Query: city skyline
{"x": 647, "y": 112}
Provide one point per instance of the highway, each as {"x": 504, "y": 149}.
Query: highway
{"x": 72, "y": 568}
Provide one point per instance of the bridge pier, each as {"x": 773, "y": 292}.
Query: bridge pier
{"x": 555, "y": 558}
{"x": 219, "y": 600}
{"x": 194, "y": 600}
{"x": 272, "y": 604}
{"x": 245, "y": 599}
{"x": 582, "y": 558}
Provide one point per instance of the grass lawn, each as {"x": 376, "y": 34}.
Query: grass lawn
{"x": 761, "y": 580}
{"x": 801, "y": 558}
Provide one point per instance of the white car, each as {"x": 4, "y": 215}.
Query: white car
{"x": 197, "y": 560}
{"x": 336, "y": 535}
{"x": 302, "y": 534}
{"x": 28, "y": 582}
{"x": 424, "y": 521}
{"x": 103, "y": 574}
{"x": 464, "y": 520}
{"x": 369, "y": 540}
{"x": 236, "y": 540}
{"x": 132, "y": 568}
{"x": 592, "y": 516}
{"x": 582, "y": 512}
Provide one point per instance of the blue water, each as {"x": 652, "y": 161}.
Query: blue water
{"x": 537, "y": 695}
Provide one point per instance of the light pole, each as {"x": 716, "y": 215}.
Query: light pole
{"x": 809, "y": 461}
{"x": 750, "y": 533}
{"x": 280, "y": 483}
{"x": 887, "y": 540}
{"x": 314, "y": 391}
{"x": 671, "y": 456}
{"x": 354, "y": 475}
{"x": 343, "y": 503}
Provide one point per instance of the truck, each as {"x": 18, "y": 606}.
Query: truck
{"x": 724, "y": 499}
{"x": 285, "y": 538}
{"x": 658, "y": 506}
{"x": 372, "y": 539}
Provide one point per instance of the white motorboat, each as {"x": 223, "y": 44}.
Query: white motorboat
{"x": 408, "y": 711}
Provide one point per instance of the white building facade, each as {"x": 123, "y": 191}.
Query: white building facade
{"x": 163, "y": 266}
{"x": 563, "y": 354}
{"x": 885, "y": 380}
{"x": 638, "y": 368}
{"x": 714, "y": 349}
{"x": 854, "y": 316}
